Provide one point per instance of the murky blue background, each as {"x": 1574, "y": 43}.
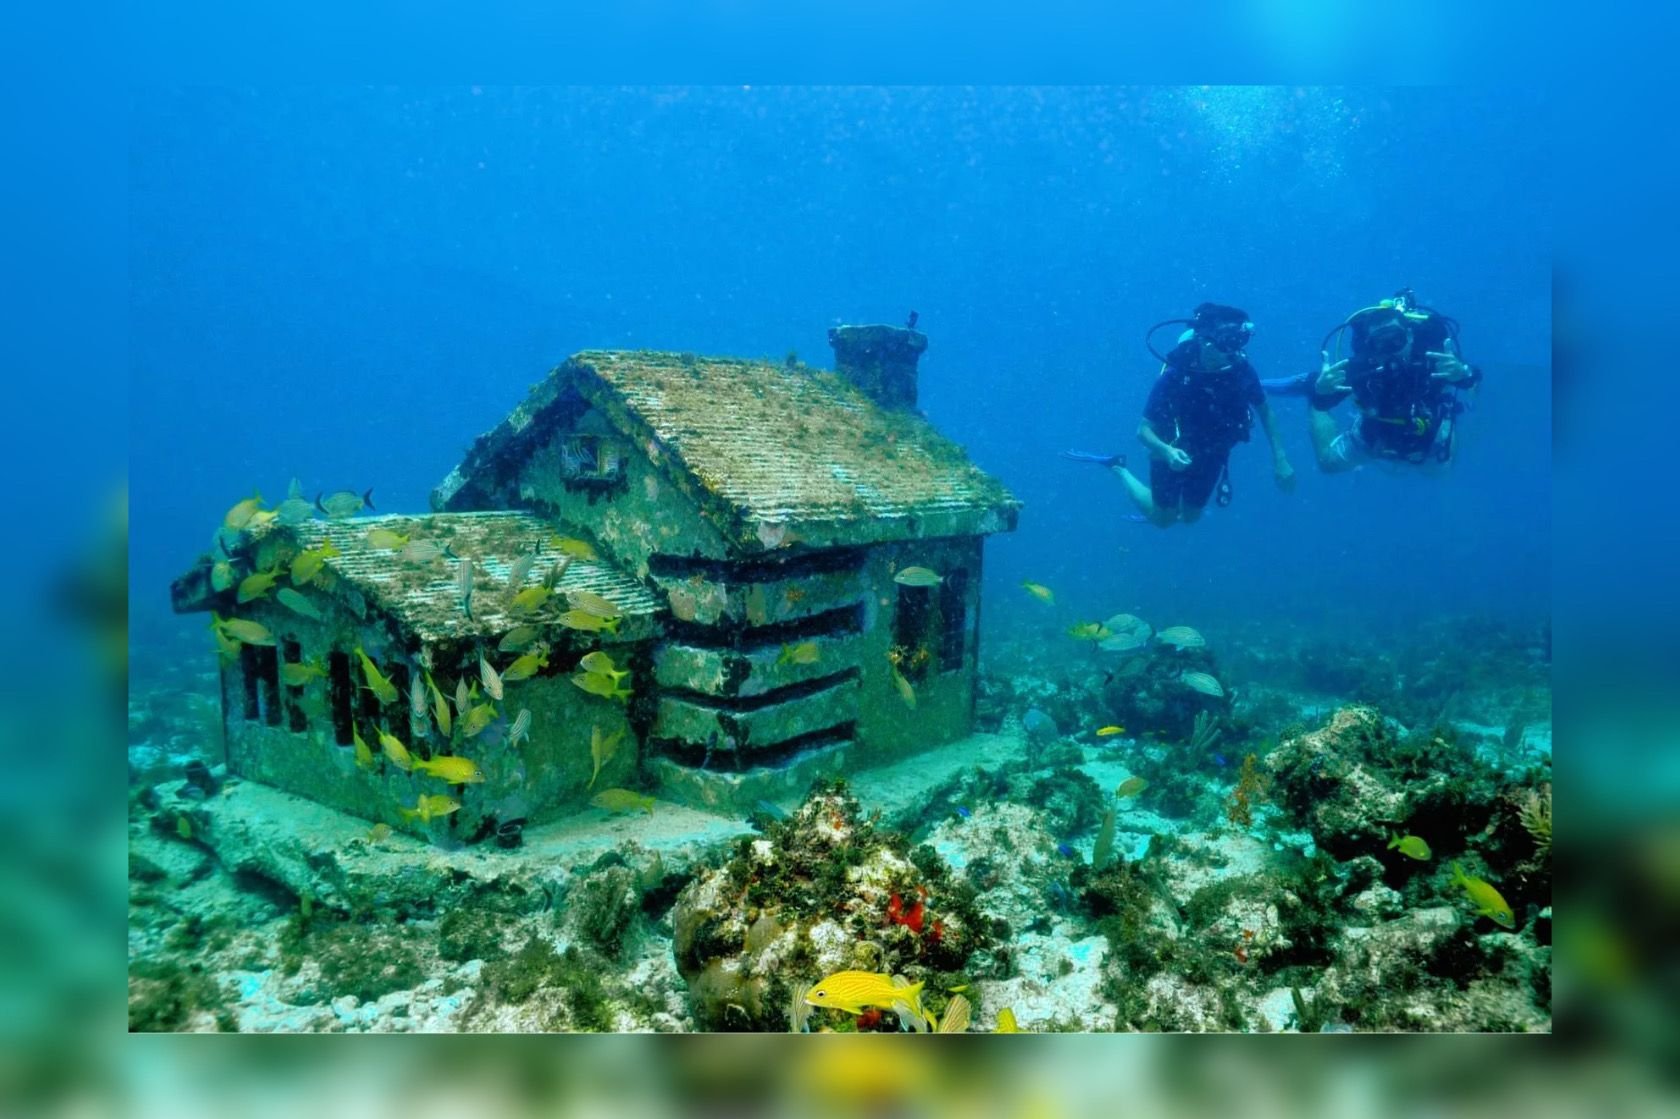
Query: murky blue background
{"x": 348, "y": 286}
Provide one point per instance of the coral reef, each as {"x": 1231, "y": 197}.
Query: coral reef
{"x": 825, "y": 890}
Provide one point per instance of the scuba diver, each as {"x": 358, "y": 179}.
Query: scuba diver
{"x": 1198, "y": 410}
{"x": 1404, "y": 373}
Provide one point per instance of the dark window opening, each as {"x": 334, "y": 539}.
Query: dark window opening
{"x": 953, "y": 620}
{"x": 735, "y": 634}
{"x": 399, "y": 715}
{"x": 825, "y": 562}
{"x": 368, "y": 713}
{"x": 396, "y": 715}
{"x": 591, "y": 458}
{"x": 296, "y": 719}
{"x": 265, "y": 667}
{"x": 719, "y": 759}
{"x": 341, "y": 694}
{"x": 913, "y": 631}
{"x": 248, "y": 679}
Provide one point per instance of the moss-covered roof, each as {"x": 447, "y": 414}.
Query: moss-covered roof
{"x": 767, "y": 447}
{"x": 424, "y": 598}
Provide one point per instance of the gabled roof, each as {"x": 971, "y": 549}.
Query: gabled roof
{"x": 764, "y": 447}
{"x": 424, "y": 598}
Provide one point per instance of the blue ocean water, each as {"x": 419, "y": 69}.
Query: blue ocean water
{"x": 346, "y": 286}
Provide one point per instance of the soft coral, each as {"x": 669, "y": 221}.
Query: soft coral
{"x": 911, "y": 918}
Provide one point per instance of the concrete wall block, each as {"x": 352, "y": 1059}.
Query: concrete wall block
{"x": 710, "y": 601}
{"x": 751, "y": 672}
{"x": 738, "y": 793}
{"x": 692, "y": 720}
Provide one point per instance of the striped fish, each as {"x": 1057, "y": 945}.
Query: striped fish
{"x": 1202, "y": 682}
{"x": 521, "y": 727}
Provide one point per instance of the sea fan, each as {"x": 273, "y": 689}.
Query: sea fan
{"x": 1205, "y": 733}
{"x": 1534, "y": 809}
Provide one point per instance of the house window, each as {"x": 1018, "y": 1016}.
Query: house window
{"x": 341, "y": 695}
{"x": 591, "y": 458}
{"x": 260, "y": 666}
{"x": 912, "y": 631}
{"x": 296, "y": 719}
{"x": 397, "y": 719}
{"x": 953, "y": 620}
{"x": 368, "y": 712}
{"x": 248, "y": 680}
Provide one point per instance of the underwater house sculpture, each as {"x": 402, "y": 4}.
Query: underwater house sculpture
{"x": 747, "y": 520}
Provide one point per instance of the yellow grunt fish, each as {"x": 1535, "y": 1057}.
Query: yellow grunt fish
{"x": 918, "y": 577}
{"x": 1409, "y": 845}
{"x": 622, "y": 800}
{"x": 592, "y": 604}
{"x": 376, "y": 681}
{"x": 299, "y": 674}
{"x": 451, "y": 769}
{"x": 240, "y": 515}
{"x": 297, "y": 602}
{"x": 242, "y": 630}
{"x": 856, "y": 991}
{"x": 1487, "y": 900}
{"x": 599, "y": 683}
{"x": 440, "y": 707}
{"x": 1104, "y": 732}
{"x": 527, "y": 666}
{"x": 518, "y": 639}
{"x": 587, "y": 622}
{"x": 601, "y": 663}
{"x": 905, "y": 691}
{"x": 386, "y": 539}
{"x": 806, "y": 652}
{"x": 396, "y": 751}
{"x": 573, "y": 548}
{"x": 256, "y": 585}
{"x": 429, "y": 808}
{"x": 531, "y": 598}
{"x": 364, "y": 756}
{"x": 1041, "y": 592}
{"x": 601, "y": 750}
{"x": 307, "y": 564}
{"x": 476, "y": 719}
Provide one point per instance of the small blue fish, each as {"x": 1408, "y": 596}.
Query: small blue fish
{"x": 962, "y": 810}
{"x": 1066, "y": 851}
{"x": 1219, "y": 760}
{"x": 1059, "y": 895}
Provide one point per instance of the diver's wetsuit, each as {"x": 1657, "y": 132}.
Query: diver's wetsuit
{"x": 1404, "y": 411}
{"x": 1204, "y": 412}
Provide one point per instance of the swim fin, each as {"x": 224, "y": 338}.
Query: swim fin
{"x": 1100, "y": 460}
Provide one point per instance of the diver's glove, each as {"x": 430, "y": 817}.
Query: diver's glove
{"x": 1449, "y": 367}
{"x": 1100, "y": 460}
{"x": 1330, "y": 387}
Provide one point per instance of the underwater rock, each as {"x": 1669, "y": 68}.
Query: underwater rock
{"x": 602, "y": 908}
{"x": 823, "y": 891}
{"x": 1325, "y": 780}
{"x": 1146, "y": 691}
{"x": 1041, "y": 728}
{"x": 1071, "y": 800}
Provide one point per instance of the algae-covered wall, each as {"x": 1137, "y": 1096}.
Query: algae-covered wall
{"x": 634, "y": 516}
{"x": 299, "y": 738}
{"x": 931, "y": 635}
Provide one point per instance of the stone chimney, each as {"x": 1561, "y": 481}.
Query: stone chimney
{"x": 880, "y": 361}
